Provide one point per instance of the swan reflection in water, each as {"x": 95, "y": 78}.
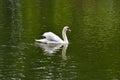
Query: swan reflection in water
{"x": 51, "y": 48}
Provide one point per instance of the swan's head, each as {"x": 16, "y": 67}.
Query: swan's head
{"x": 66, "y": 28}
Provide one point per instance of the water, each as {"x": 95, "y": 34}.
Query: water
{"x": 93, "y": 52}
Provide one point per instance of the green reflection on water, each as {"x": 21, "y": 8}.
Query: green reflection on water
{"x": 94, "y": 41}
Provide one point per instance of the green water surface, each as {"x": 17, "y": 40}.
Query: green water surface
{"x": 93, "y": 52}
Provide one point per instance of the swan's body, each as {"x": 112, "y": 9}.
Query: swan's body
{"x": 53, "y": 38}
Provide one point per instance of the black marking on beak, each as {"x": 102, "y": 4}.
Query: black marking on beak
{"x": 68, "y": 29}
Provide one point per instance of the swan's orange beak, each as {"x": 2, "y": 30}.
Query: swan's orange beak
{"x": 69, "y": 30}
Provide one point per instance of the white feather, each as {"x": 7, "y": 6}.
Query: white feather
{"x": 52, "y": 37}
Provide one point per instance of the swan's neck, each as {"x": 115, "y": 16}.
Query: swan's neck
{"x": 64, "y": 36}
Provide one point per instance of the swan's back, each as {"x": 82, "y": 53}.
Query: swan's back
{"x": 52, "y": 37}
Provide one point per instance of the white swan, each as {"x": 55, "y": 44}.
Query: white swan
{"x": 53, "y": 38}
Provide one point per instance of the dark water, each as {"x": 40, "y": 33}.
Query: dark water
{"x": 93, "y": 52}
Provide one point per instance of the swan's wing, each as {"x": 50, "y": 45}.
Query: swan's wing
{"x": 52, "y": 37}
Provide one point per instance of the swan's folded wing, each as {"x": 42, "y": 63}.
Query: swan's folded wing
{"x": 52, "y": 37}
